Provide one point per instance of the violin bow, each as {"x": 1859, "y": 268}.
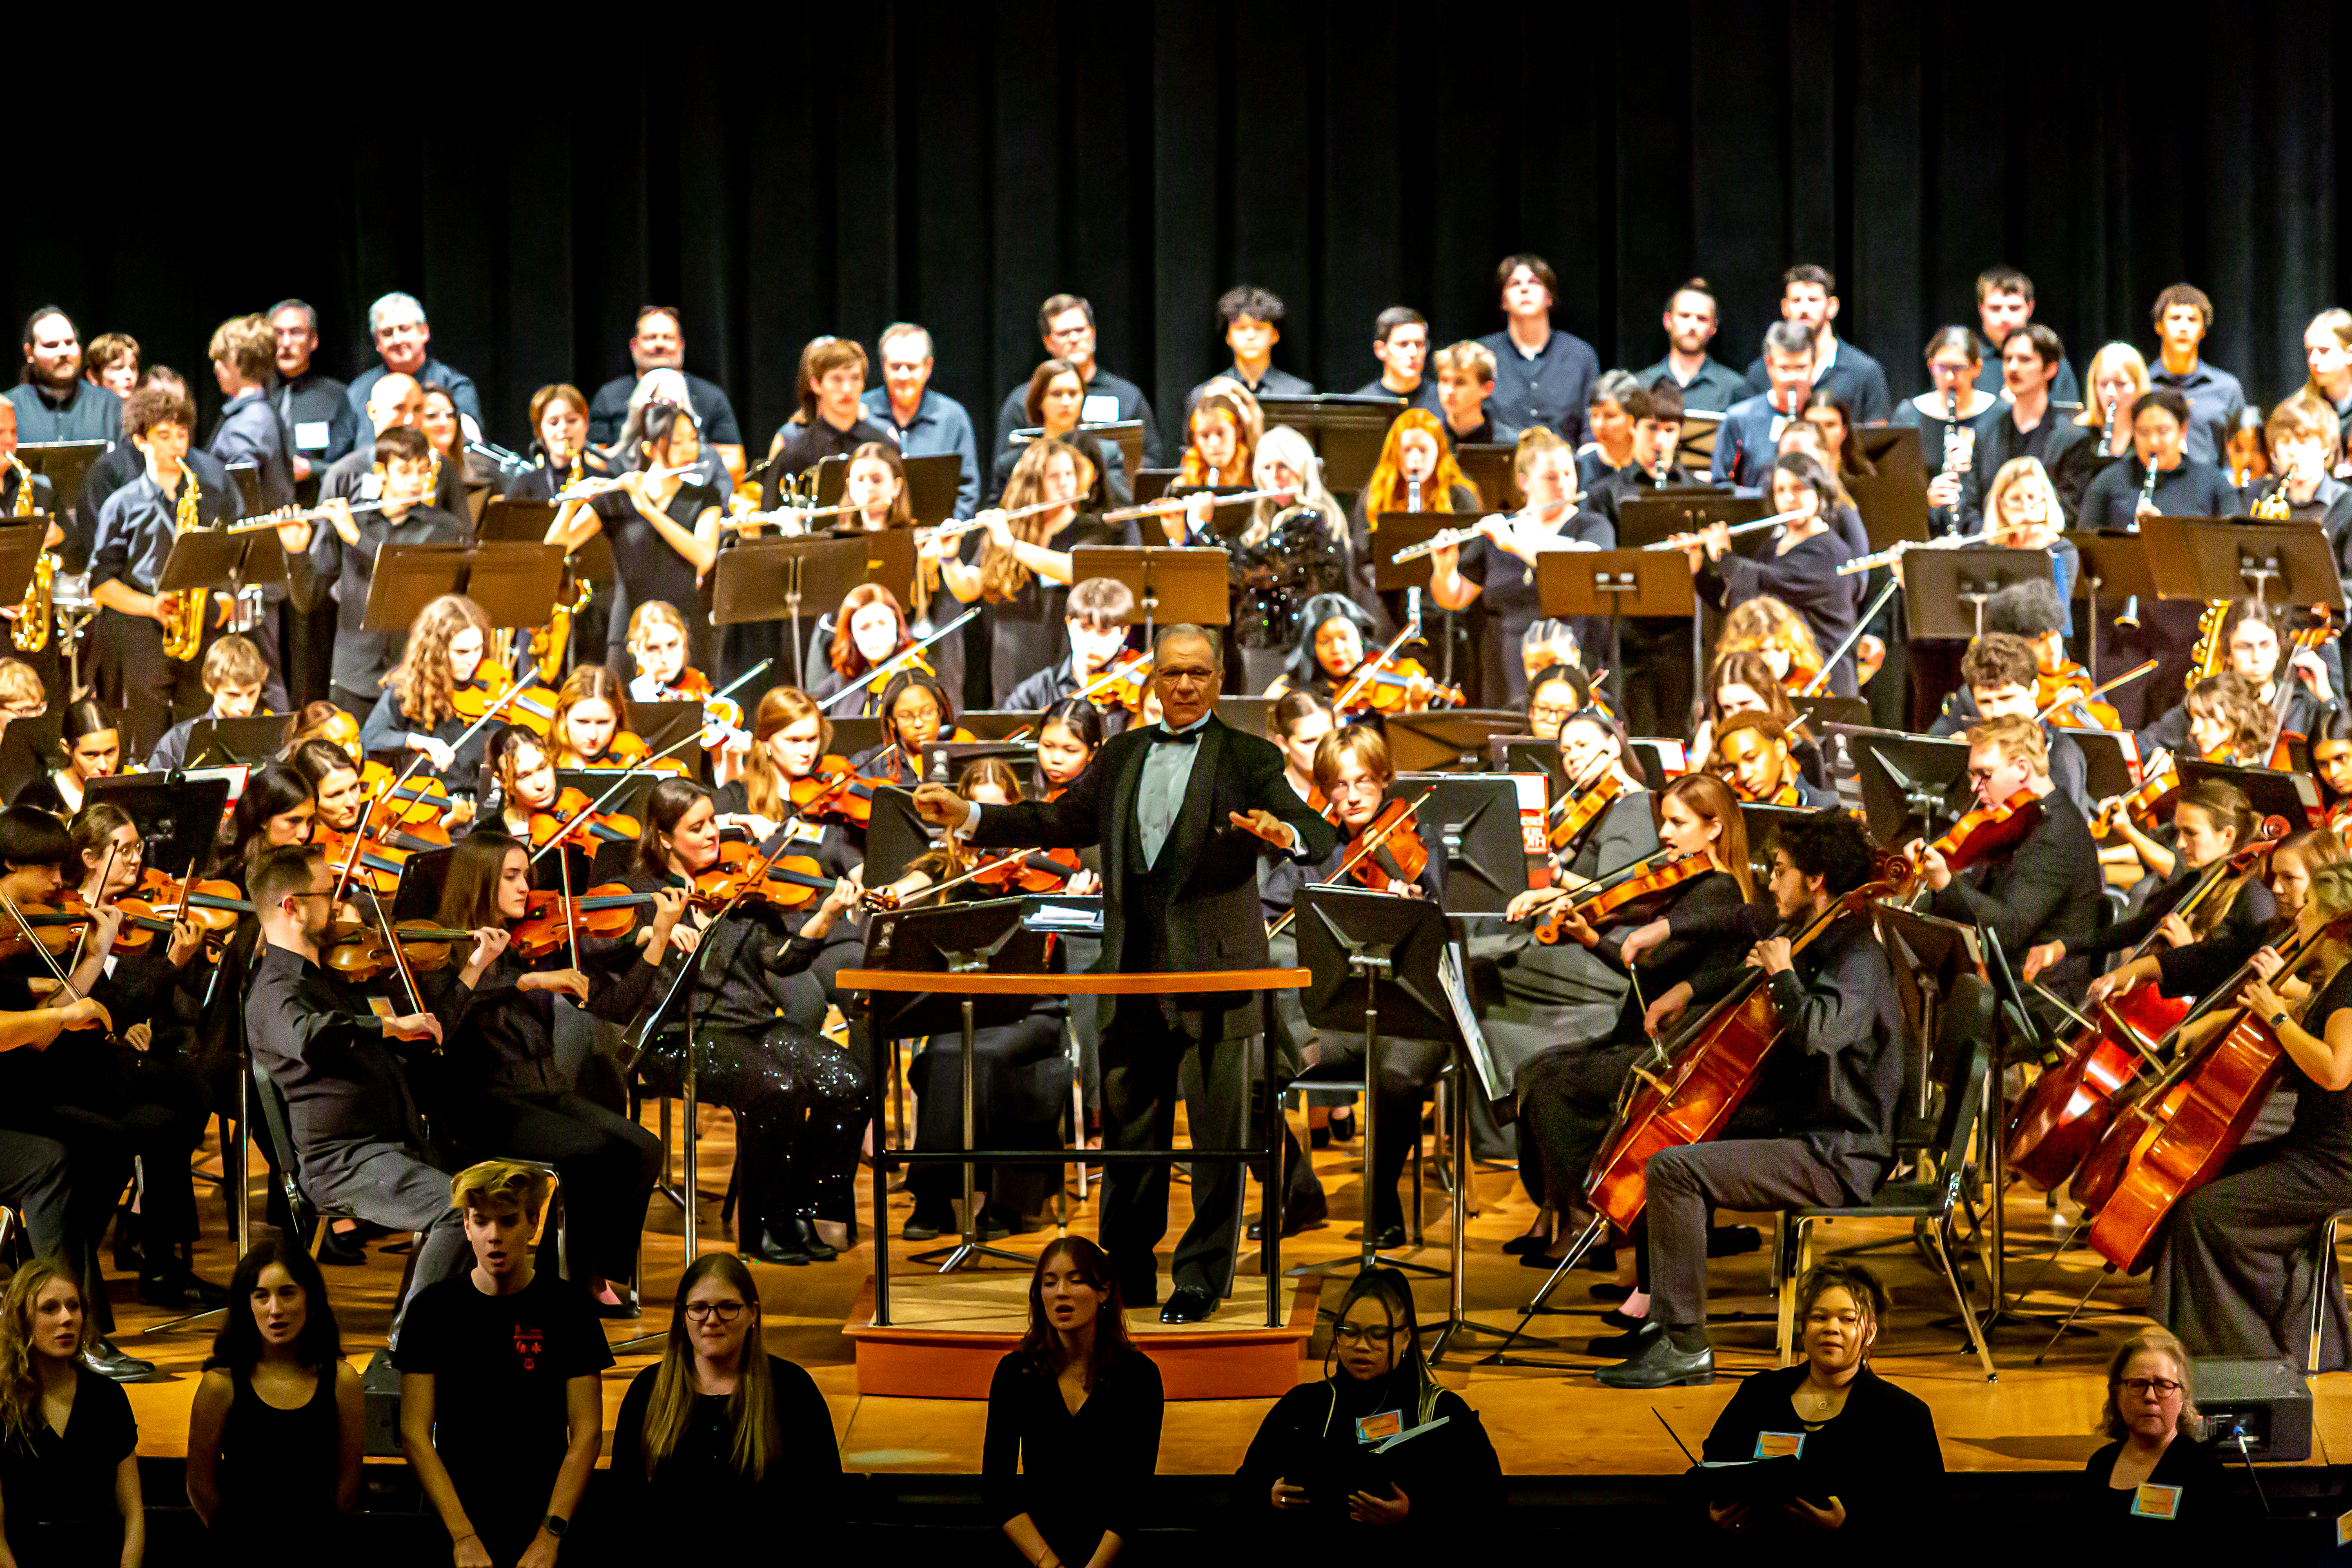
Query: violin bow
{"x": 636, "y": 1051}
{"x": 897, "y": 661}
{"x": 1352, "y": 861}
{"x": 1820, "y": 680}
{"x": 47, "y": 957}
{"x": 593, "y": 806}
{"x": 2126, "y": 678}
{"x": 1365, "y": 674}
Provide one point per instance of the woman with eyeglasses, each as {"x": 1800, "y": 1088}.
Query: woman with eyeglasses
{"x": 1376, "y": 1444}
{"x": 719, "y": 1422}
{"x": 2144, "y": 1476}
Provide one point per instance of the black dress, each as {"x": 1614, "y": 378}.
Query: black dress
{"x": 1805, "y": 578}
{"x": 802, "y": 1481}
{"x": 649, "y": 569}
{"x": 1878, "y": 1456}
{"x": 1075, "y": 1475}
{"x": 2205, "y": 1507}
{"x": 1272, "y": 579}
{"x": 1450, "y": 1476}
{"x": 1027, "y": 633}
{"x": 57, "y": 1488}
{"x": 277, "y": 1465}
{"x": 1507, "y": 608}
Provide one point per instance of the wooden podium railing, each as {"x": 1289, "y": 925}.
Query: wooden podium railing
{"x": 981, "y": 983}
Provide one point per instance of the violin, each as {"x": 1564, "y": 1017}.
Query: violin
{"x": 2069, "y": 1108}
{"x": 567, "y": 817}
{"x": 1386, "y": 855}
{"x": 2051, "y": 687}
{"x": 1387, "y": 688}
{"x": 787, "y": 882}
{"x": 419, "y": 803}
{"x": 629, "y": 750}
{"x": 608, "y": 911}
{"x": 834, "y": 792}
{"x": 56, "y": 925}
{"x": 1787, "y": 794}
{"x": 1572, "y": 813}
{"x": 1982, "y": 834}
{"x": 360, "y": 953}
{"x": 1641, "y": 880}
{"x": 1710, "y": 1069}
{"x": 377, "y": 865}
{"x": 1124, "y": 685}
{"x": 2285, "y": 740}
{"x": 532, "y": 709}
{"x": 215, "y": 905}
{"x": 2146, "y": 803}
{"x": 1037, "y": 871}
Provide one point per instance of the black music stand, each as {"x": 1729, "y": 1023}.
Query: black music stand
{"x": 20, "y": 549}
{"x": 1151, "y": 484}
{"x": 945, "y": 764}
{"x": 1944, "y": 590}
{"x": 661, "y": 725}
{"x": 1610, "y": 584}
{"x": 757, "y": 575}
{"x": 515, "y": 584}
{"x": 212, "y": 559}
{"x": 895, "y": 836}
{"x": 853, "y": 734}
{"x": 233, "y": 742}
{"x": 2290, "y": 796}
{"x": 1172, "y": 583}
{"x": 421, "y": 877}
{"x": 1931, "y": 955}
{"x": 630, "y": 787}
{"x": 1445, "y": 739}
{"x": 1525, "y": 754}
{"x": 1911, "y": 784}
{"x": 990, "y": 937}
{"x": 1492, "y": 470}
{"x": 933, "y": 483}
{"x": 2114, "y": 567}
{"x": 1345, "y": 429}
{"x": 1394, "y": 532}
{"x": 508, "y": 521}
{"x": 1893, "y": 501}
{"x": 1762, "y": 823}
{"x": 63, "y": 464}
{"x": 1474, "y": 820}
{"x": 2230, "y": 558}
{"x": 177, "y": 817}
{"x": 2106, "y": 770}
{"x": 1374, "y": 958}
{"x": 1127, "y": 435}
{"x": 995, "y": 723}
{"x": 1658, "y": 758}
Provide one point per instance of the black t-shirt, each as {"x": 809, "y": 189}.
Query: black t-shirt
{"x": 68, "y": 1478}
{"x": 498, "y": 1365}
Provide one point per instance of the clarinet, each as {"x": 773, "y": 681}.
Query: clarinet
{"x": 2107, "y": 435}
{"x": 2147, "y": 494}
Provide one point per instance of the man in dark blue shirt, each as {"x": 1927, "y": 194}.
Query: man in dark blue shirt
{"x": 1749, "y": 440}
{"x": 928, "y": 423}
{"x": 2183, "y": 316}
{"x": 659, "y": 343}
{"x": 1707, "y": 384}
{"x": 1465, "y": 374}
{"x": 1065, "y": 323}
{"x": 243, "y": 350}
{"x": 1809, "y": 298}
{"x": 2028, "y": 424}
{"x": 1252, "y": 318}
{"x": 404, "y": 340}
{"x": 2005, "y": 305}
{"x": 1401, "y": 343}
{"x": 54, "y": 403}
{"x": 1542, "y": 375}
{"x": 315, "y": 409}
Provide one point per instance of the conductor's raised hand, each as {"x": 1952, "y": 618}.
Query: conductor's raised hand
{"x": 940, "y": 806}
{"x": 1263, "y": 824}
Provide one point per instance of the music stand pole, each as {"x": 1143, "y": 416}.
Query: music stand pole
{"x": 792, "y": 620}
{"x": 970, "y": 1244}
{"x": 1457, "y": 1312}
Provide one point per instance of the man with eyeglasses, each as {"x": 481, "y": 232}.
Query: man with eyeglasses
{"x": 928, "y": 423}
{"x": 2048, "y": 888}
{"x": 1065, "y": 324}
{"x": 1182, "y": 810}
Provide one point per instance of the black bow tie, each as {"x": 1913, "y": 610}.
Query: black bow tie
{"x": 1162, "y": 735}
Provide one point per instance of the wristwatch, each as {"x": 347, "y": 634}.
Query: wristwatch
{"x": 2280, "y": 1017}
{"x": 555, "y": 1524}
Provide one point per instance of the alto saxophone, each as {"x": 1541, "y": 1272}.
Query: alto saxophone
{"x": 31, "y": 632}
{"x": 549, "y": 642}
{"x": 2205, "y": 657}
{"x": 183, "y": 612}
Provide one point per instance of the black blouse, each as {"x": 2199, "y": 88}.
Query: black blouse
{"x": 1298, "y": 559}
{"x": 2204, "y": 1505}
{"x": 59, "y": 1485}
{"x": 1878, "y": 1456}
{"x": 802, "y": 1481}
{"x": 1075, "y": 1475}
{"x": 1450, "y": 1476}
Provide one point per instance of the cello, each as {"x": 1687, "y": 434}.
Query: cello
{"x": 2069, "y": 1108}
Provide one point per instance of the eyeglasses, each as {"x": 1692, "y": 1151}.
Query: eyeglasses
{"x": 2162, "y": 1387}
{"x": 725, "y": 1312}
{"x": 1548, "y": 710}
{"x": 1364, "y": 1333}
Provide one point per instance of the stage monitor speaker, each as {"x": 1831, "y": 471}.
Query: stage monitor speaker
{"x": 2266, "y": 1398}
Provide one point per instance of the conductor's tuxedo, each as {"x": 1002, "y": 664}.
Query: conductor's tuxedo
{"x": 1179, "y": 892}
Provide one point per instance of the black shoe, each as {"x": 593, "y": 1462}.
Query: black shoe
{"x": 928, "y": 1223}
{"x": 1538, "y": 1261}
{"x": 1187, "y": 1304}
{"x": 1731, "y": 1240}
{"x": 1661, "y": 1365}
{"x": 1617, "y": 1347}
{"x": 774, "y": 1248}
{"x": 342, "y": 1248}
{"x": 1614, "y": 1318}
{"x": 180, "y": 1288}
{"x": 1318, "y": 1137}
{"x": 1304, "y": 1216}
{"x": 1390, "y": 1237}
{"x": 1599, "y": 1261}
{"x": 1003, "y": 1219}
{"x": 626, "y": 1307}
{"x": 1533, "y": 1241}
{"x": 815, "y": 1245}
{"x": 1343, "y": 1126}
{"x": 102, "y": 1356}
{"x": 1609, "y": 1290}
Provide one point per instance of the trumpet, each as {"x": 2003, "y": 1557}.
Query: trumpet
{"x": 1178, "y": 503}
{"x": 1684, "y": 541}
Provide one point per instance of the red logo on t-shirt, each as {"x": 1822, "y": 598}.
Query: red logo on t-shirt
{"x": 529, "y": 1344}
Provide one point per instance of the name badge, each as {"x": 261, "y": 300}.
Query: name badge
{"x": 803, "y": 831}
{"x": 1780, "y": 1444}
{"x": 311, "y": 435}
{"x": 1372, "y": 1429}
{"x": 2344, "y": 1527}
{"x": 1099, "y": 408}
{"x": 2153, "y": 1501}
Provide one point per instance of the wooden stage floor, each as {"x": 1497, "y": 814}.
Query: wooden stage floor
{"x": 1542, "y": 1423}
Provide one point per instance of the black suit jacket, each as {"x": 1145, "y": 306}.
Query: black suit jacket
{"x": 1209, "y": 916}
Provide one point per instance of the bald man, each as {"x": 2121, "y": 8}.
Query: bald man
{"x": 394, "y": 400}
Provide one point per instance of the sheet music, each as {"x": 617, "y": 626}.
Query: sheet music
{"x": 1497, "y": 1080}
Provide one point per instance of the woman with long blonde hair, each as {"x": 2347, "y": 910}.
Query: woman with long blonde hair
{"x": 418, "y": 711}
{"x": 75, "y": 1502}
{"x": 789, "y": 733}
{"x": 1293, "y": 548}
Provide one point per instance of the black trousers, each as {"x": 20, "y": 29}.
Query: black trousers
{"x": 1015, "y": 1103}
{"x": 799, "y": 1108}
{"x": 1148, "y": 1060}
{"x": 606, "y": 1162}
{"x": 152, "y": 692}
{"x": 1407, "y": 1069}
{"x": 1739, "y": 1174}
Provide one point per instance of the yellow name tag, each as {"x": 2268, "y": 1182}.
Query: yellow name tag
{"x": 2344, "y": 1527}
{"x": 1372, "y": 1429}
{"x": 1780, "y": 1444}
{"x": 2153, "y": 1501}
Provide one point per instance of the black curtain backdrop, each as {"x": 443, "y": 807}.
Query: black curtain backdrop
{"x": 953, "y": 165}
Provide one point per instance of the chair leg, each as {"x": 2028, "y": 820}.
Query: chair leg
{"x": 1968, "y": 1308}
{"x": 1420, "y": 1172}
{"x": 1784, "y": 1284}
{"x": 1078, "y": 1110}
{"x": 2325, "y": 1282}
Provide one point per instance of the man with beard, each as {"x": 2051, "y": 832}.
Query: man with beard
{"x": 1707, "y": 383}
{"x": 660, "y": 344}
{"x": 1808, "y": 300}
{"x": 404, "y": 340}
{"x": 321, "y": 426}
{"x": 54, "y": 403}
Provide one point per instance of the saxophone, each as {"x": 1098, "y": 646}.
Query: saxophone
{"x": 548, "y": 643}
{"x": 183, "y": 612}
{"x": 2205, "y": 657}
{"x": 31, "y": 632}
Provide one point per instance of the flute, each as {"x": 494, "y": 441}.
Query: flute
{"x": 588, "y": 488}
{"x": 1684, "y": 541}
{"x": 1447, "y": 538}
{"x": 1177, "y": 503}
{"x": 1896, "y": 551}
{"x": 974, "y": 525}
{"x": 785, "y": 515}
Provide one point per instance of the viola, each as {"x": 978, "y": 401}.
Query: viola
{"x": 1710, "y": 1070}
{"x": 1389, "y": 689}
{"x": 2067, "y": 1109}
{"x": 1572, "y": 813}
{"x": 1640, "y": 881}
{"x": 568, "y": 817}
{"x": 1386, "y": 855}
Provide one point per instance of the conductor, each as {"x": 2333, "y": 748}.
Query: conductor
{"x": 1182, "y": 810}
